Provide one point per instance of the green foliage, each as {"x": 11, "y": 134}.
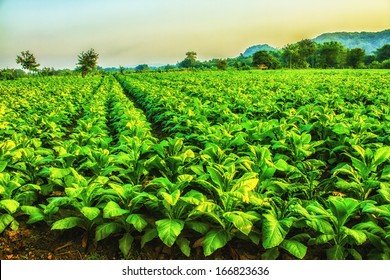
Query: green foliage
{"x": 286, "y": 162}
{"x": 262, "y": 58}
{"x": 28, "y": 61}
{"x": 87, "y": 61}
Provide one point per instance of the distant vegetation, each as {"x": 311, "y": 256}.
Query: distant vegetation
{"x": 328, "y": 51}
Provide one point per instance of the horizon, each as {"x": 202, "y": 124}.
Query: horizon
{"x": 160, "y": 32}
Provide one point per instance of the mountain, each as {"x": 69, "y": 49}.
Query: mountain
{"x": 251, "y": 50}
{"x": 369, "y": 41}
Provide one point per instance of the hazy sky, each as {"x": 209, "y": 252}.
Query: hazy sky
{"x": 131, "y": 32}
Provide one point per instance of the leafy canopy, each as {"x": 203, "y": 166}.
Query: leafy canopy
{"x": 87, "y": 61}
{"x": 27, "y": 60}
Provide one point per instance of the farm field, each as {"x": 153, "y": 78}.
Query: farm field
{"x": 209, "y": 164}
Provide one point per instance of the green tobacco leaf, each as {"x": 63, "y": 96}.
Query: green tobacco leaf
{"x": 112, "y": 209}
{"x": 337, "y": 252}
{"x": 90, "y": 212}
{"x": 216, "y": 176}
{"x": 295, "y": 248}
{"x": 197, "y": 226}
{"x": 386, "y": 173}
{"x": 321, "y": 239}
{"x": 342, "y": 208}
{"x": 194, "y": 197}
{"x": 35, "y": 214}
{"x": 105, "y": 230}
{"x": 317, "y": 208}
{"x": 137, "y": 220}
{"x": 184, "y": 245}
{"x": 274, "y": 231}
{"x": 59, "y": 173}
{"x": 9, "y": 205}
{"x": 3, "y": 165}
{"x": 320, "y": 225}
{"x": 125, "y": 244}
{"x": 271, "y": 254}
{"x": 5, "y": 220}
{"x": 355, "y": 254}
{"x": 385, "y": 193}
{"x": 214, "y": 240}
{"x": 381, "y": 155}
{"x": 358, "y": 235}
{"x": 282, "y": 165}
{"x": 67, "y": 223}
{"x": 172, "y": 198}
{"x": 168, "y": 230}
{"x": 148, "y": 236}
{"x": 340, "y": 129}
{"x": 239, "y": 221}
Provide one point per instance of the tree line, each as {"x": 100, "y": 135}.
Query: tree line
{"x": 301, "y": 55}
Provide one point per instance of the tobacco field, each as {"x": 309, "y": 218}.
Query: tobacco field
{"x": 280, "y": 163}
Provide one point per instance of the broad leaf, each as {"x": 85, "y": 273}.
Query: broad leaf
{"x": 105, "y": 230}
{"x": 9, "y": 205}
{"x": 194, "y": 197}
{"x": 125, "y": 244}
{"x": 274, "y": 231}
{"x": 337, "y": 252}
{"x": 59, "y": 173}
{"x": 5, "y": 220}
{"x": 358, "y": 235}
{"x": 35, "y": 214}
{"x": 148, "y": 236}
{"x": 271, "y": 254}
{"x": 340, "y": 129}
{"x": 137, "y": 221}
{"x": 184, "y": 245}
{"x": 239, "y": 221}
{"x": 320, "y": 225}
{"x": 216, "y": 177}
{"x": 198, "y": 226}
{"x": 172, "y": 198}
{"x": 90, "y": 212}
{"x": 3, "y": 165}
{"x": 295, "y": 248}
{"x": 112, "y": 209}
{"x": 67, "y": 223}
{"x": 381, "y": 155}
{"x": 214, "y": 240}
{"x": 168, "y": 230}
{"x": 342, "y": 208}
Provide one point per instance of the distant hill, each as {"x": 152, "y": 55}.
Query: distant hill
{"x": 251, "y": 50}
{"x": 369, "y": 41}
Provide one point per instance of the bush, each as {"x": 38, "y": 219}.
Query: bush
{"x": 10, "y": 74}
{"x": 386, "y": 64}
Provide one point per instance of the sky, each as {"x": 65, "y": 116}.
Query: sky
{"x": 157, "y": 32}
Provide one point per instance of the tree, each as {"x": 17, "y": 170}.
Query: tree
{"x": 307, "y": 49}
{"x": 355, "y": 58}
{"x": 142, "y": 67}
{"x": 264, "y": 58}
{"x": 27, "y": 61}
{"x": 383, "y": 53}
{"x": 221, "y": 64}
{"x": 87, "y": 61}
{"x": 291, "y": 55}
{"x": 332, "y": 55}
{"x": 190, "y": 60}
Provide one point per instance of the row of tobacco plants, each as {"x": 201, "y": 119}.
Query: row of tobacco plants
{"x": 286, "y": 162}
